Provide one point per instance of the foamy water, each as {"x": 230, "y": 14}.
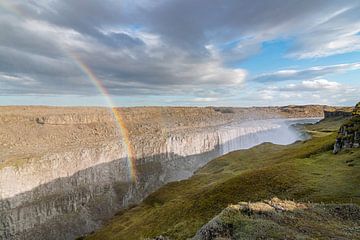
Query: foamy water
{"x": 251, "y": 133}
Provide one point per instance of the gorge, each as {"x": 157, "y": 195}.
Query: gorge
{"x": 63, "y": 171}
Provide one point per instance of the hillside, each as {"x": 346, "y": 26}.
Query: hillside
{"x": 304, "y": 171}
{"x": 283, "y": 219}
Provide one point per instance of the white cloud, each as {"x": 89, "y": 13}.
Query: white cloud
{"x": 208, "y": 99}
{"x": 308, "y": 73}
{"x": 266, "y": 94}
{"x": 312, "y": 85}
{"x": 320, "y": 91}
{"x": 320, "y": 84}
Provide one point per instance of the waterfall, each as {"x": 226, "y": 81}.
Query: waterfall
{"x": 248, "y": 134}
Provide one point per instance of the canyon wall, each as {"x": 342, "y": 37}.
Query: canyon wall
{"x": 349, "y": 132}
{"x": 64, "y": 171}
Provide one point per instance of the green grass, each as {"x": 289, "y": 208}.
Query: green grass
{"x": 304, "y": 171}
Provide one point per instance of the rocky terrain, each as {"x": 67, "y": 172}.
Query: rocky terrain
{"x": 349, "y": 133}
{"x": 63, "y": 171}
{"x": 282, "y": 219}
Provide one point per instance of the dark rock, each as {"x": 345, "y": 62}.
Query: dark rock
{"x": 349, "y": 133}
{"x": 328, "y": 114}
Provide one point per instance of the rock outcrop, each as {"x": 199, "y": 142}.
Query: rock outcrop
{"x": 349, "y": 133}
{"x": 338, "y": 113}
{"x": 356, "y": 110}
{"x": 282, "y": 219}
{"x": 63, "y": 171}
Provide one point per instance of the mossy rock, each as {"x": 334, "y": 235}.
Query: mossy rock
{"x": 356, "y": 111}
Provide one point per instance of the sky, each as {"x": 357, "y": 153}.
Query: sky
{"x": 179, "y": 52}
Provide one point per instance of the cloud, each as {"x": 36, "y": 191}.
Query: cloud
{"x": 315, "y": 91}
{"x": 335, "y": 34}
{"x": 312, "y": 85}
{"x": 204, "y": 99}
{"x": 312, "y": 72}
{"x": 238, "y": 28}
{"x": 163, "y": 47}
{"x": 277, "y": 97}
{"x": 143, "y": 65}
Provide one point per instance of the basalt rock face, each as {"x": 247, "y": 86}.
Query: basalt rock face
{"x": 349, "y": 133}
{"x": 328, "y": 114}
{"x": 63, "y": 171}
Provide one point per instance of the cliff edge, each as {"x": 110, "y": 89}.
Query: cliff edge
{"x": 349, "y": 133}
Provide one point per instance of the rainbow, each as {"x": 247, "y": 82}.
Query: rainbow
{"x": 131, "y": 156}
{"x": 116, "y": 112}
{"x": 10, "y": 7}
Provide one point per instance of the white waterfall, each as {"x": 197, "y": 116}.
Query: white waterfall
{"x": 248, "y": 134}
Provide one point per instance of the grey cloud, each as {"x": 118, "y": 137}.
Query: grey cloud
{"x": 249, "y": 22}
{"x": 193, "y": 24}
{"x": 14, "y": 61}
{"x": 85, "y": 16}
{"x": 122, "y": 39}
{"x": 15, "y": 36}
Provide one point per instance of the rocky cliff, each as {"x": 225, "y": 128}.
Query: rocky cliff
{"x": 339, "y": 113}
{"x": 63, "y": 171}
{"x": 349, "y": 133}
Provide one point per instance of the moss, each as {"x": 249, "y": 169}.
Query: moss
{"x": 304, "y": 171}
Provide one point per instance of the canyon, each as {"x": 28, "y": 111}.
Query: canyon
{"x": 64, "y": 171}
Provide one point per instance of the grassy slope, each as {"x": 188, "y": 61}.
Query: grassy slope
{"x": 300, "y": 221}
{"x": 304, "y": 171}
